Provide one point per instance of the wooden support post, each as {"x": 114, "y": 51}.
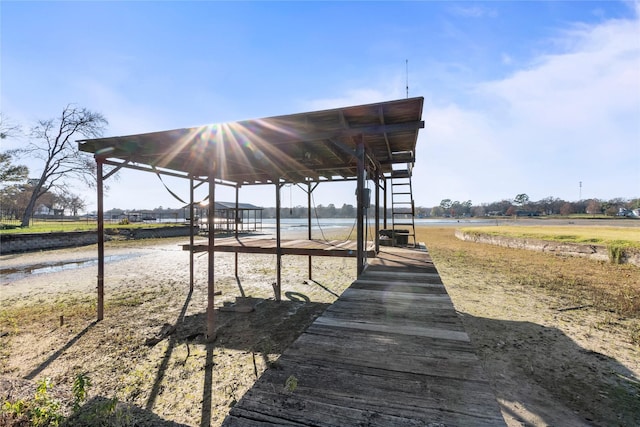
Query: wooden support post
{"x": 384, "y": 181}
{"x": 191, "y": 224}
{"x": 211, "y": 321}
{"x": 360, "y": 203}
{"x": 377, "y": 236}
{"x": 309, "y": 190}
{"x": 237, "y": 224}
{"x": 277, "y": 289}
{"x": 100, "y": 185}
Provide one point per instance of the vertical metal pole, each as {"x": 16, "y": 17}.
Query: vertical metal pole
{"x": 384, "y": 181}
{"x": 278, "y": 243}
{"x": 211, "y": 321}
{"x": 360, "y": 203}
{"x": 309, "y": 225}
{"x": 100, "y": 239}
{"x": 236, "y": 220}
{"x": 377, "y": 236}
{"x": 191, "y": 224}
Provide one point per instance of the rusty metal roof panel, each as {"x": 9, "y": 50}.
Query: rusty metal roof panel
{"x": 299, "y": 147}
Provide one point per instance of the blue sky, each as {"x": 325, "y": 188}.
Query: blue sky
{"x": 520, "y": 97}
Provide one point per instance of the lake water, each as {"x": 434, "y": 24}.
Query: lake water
{"x": 293, "y": 224}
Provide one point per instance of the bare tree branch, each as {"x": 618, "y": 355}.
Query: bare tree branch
{"x": 9, "y": 129}
{"x": 53, "y": 142}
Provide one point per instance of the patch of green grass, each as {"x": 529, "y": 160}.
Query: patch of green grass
{"x": 607, "y": 287}
{"x": 620, "y": 236}
{"x": 41, "y": 411}
{"x": 69, "y": 226}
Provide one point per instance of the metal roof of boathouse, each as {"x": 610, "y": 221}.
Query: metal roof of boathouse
{"x": 302, "y": 147}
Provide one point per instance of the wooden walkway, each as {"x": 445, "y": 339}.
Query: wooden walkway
{"x": 391, "y": 351}
{"x": 334, "y": 248}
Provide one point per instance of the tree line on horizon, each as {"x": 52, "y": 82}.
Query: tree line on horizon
{"x": 520, "y": 205}
{"x": 523, "y": 206}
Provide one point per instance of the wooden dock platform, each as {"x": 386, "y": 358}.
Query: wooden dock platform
{"x": 333, "y": 248}
{"x": 391, "y": 351}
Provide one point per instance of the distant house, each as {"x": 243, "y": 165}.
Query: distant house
{"x": 630, "y": 213}
{"x": 527, "y": 213}
{"x": 42, "y": 210}
{"x": 45, "y": 211}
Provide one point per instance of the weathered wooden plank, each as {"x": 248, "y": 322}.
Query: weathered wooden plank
{"x": 409, "y": 345}
{"x": 397, "y": 318}
{"x": 405, "y": 330}
{"x": 398, "y": 286}
{"x": 390, "y": 296}
{"x": 362, "y": 406}
{"x": 399, "y": 306}
{"x": 391, "y": 351}
{"x": 412, "y": 276}
{"x": 393, "y": 387}
{"x": 238, "y": 417}
{"x": 393, "y": 366}
{"x": 319, "y": 415}
{"x": 406, "y": 307}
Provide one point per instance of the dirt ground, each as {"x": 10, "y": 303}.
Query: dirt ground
{"x": 171, "y": 376}
{"x": 552, "y": 360}
{"x": 551, "y": 363}
{"x": 150, "y": 354}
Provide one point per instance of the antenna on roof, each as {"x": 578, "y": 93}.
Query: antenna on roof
{"x": 407, "y": 68}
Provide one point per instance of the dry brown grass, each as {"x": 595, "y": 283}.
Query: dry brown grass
{"x": 182, "y": 378}
{"x": 607, "y": 287}
{"x": 558, "y": 337}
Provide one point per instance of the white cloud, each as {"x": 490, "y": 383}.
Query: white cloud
{"x": 473, "y": 11}
{"x": 569, "y": 117}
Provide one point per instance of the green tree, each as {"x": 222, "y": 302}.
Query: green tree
{"x": 521, "y": 200}
{"x": 71, "y": 202}
{"x": 8, "y": 129}
{"x": 9, "y": 172}
{"x": 466, "y": 207}
{"x": 437, "y": 211}
{"x": 445, "y": 204}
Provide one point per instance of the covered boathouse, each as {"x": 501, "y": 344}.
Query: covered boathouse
{"x": 355, "y": 143}
{"x": 391, "y": 351}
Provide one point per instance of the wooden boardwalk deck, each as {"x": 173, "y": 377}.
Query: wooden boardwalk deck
{"x": 391, "y": 351}
{"x": 333, "y": 248}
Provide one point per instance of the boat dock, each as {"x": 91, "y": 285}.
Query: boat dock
{"x": 391, "y": 351}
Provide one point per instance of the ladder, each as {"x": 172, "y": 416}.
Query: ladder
{"x": 402, "y": 207}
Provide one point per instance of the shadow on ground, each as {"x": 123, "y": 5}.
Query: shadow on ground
{"x": 269, "y": 328}
{"x": 108, "y": 412}
{"x": 531, "y": 365}
{"x": 266, "y": 330}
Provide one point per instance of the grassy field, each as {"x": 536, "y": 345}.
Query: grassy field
{"x": 628, "y": 236}
{"x": 610, "y": 288}
{"x": 558, "y": 336}
{"x": 66, "y": 226}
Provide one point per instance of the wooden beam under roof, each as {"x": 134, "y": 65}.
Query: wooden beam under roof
{"x": 386, "y": 137}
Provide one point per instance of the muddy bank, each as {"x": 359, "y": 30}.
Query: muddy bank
{"x": 594, "y": 252}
